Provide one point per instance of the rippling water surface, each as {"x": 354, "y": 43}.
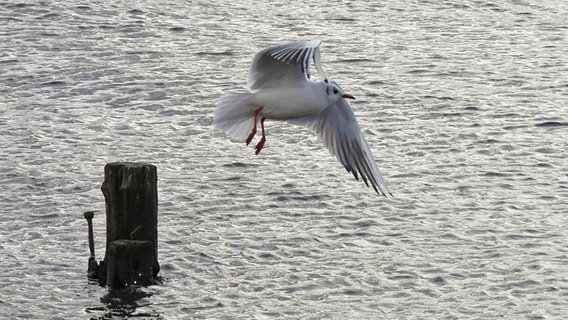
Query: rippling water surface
{"x": 464, "y": 104}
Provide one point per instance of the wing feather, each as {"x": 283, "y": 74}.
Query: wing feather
{"x": 284, "y": 65}
{"x": 339, "y": 131}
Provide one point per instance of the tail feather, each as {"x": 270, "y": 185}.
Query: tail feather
{"x": 234, "y": 115}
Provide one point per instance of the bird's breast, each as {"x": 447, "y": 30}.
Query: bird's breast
{"x": 290, "y": 103}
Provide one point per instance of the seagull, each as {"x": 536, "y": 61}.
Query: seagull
{"x": 280, "y": 88}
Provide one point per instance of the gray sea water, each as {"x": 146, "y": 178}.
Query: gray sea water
{"x": 464, "y": 104}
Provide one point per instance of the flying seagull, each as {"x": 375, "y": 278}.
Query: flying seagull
{"x": 281, "y": 89}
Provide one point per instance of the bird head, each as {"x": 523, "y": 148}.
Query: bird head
{"x": 334, "y": 92}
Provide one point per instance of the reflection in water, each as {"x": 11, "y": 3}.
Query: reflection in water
{"x": 123, "y": 304}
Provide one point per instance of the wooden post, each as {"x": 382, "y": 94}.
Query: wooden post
{"x": 130, "y": 262}
{"x": 131, "y": 197}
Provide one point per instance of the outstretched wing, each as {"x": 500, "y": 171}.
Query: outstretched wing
{"x": 287, "y": 65}
{"x": 339, "y": 131}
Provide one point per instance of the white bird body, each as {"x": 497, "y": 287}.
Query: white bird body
{"x": 292, "y": 102}
{"x": 280, "y": 89}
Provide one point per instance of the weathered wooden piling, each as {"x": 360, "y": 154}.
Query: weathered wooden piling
{"x": 130, "y": 262}
{"x": 131, "y": 197}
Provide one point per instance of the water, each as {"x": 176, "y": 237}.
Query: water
{"x": 465, "y": 106}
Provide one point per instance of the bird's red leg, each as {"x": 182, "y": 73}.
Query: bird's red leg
{"x": 260, "y": 144}
{"x": 253, "y": 132}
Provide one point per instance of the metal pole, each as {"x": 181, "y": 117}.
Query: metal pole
{"x": 93, "y": 266}
{"x": 89, "y": 216}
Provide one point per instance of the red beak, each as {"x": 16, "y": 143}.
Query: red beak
{"x": 348, "y": 96}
